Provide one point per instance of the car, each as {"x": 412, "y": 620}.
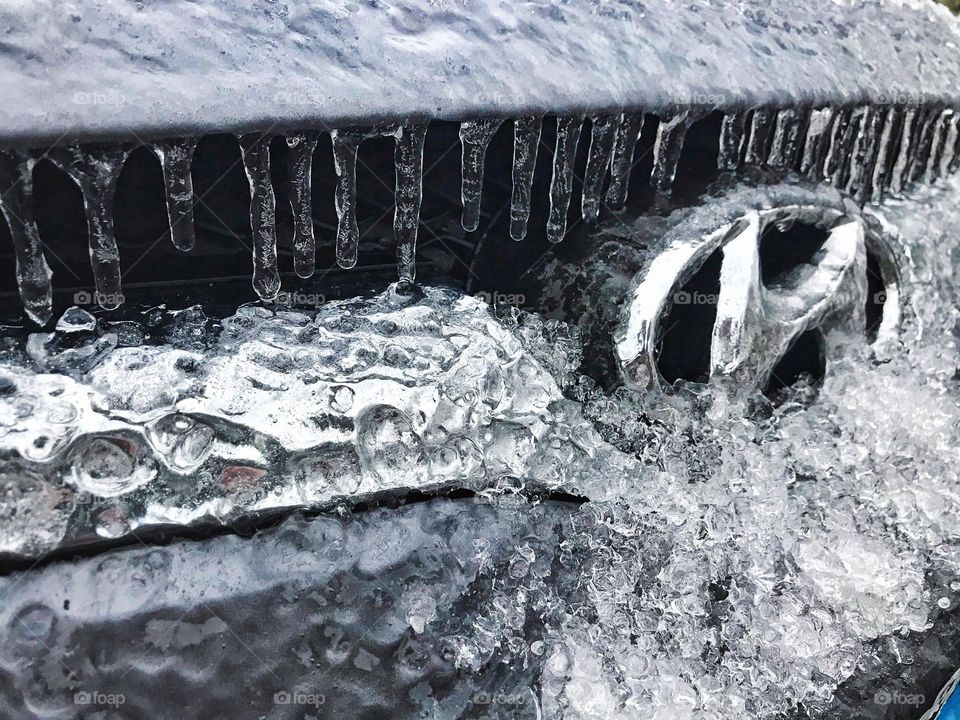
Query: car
{"x": 584, "y": 359}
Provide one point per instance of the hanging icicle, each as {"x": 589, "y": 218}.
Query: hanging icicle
{"x": 96, "y": 170}
{"x": 732, "y": 133}
{"x": 761, "y": 128}
{"x": 176, "y": 157}
{"x": 629, "y": 127}
{"x": 408, "y": 161}
{"x": 602, "y": 128}
{"x": 299, "y": 173}
{"x": 786, "y": 138}
{"x": 16, "y": 204}
{"x": 864, "y": 155}
{"x": 901, "y": 168}
{"x": 836, "y": 156}
{"x": 892, "y": 117}
{"x": 817, "y": 143}
{"x": 475, "y": 136}
{"x": 526, "y": 141}
{"x": 255, "y": 151}
{"x": 666, "y": 152}
{"x": 938, "y": 146}
{"x": 561, "y": 185}
{"x": 950, "y": 144}
{"x": 928, "y": 123}
{"x": 346, "y": 143}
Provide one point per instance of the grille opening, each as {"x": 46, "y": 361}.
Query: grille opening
{"x": 684, "y": 352}
{"x": 698, "y": 161}
{"x": 804, "y": 360}
{"x": 788, "y": 246}
{"x": 876, "y": 296}
{"x": 58, "y": 208}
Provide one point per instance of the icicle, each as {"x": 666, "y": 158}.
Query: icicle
{"x": 475, "y": 135}
{"x": 950, "y": 145}
{"x": 760, "y": 128}
{"x": 526, "y": 140}
{"x": 299, "y": 172}
{"x": 346, "y": 142}
{"x": 255, "y": 150}
{"x": 924, "y": 145}
{"x": 864, "y": 155}
{"x": 16, "y": 204}
{"x": 628, "y": 134}
{"x": 176, "y": 157}
{"x": 666, "y": 151}
{"x": 602, "y": 128}
{"x": 817, "y": 143}
{"x": 901, "y": 168}
{"x": 96, "y": 171}
{"x": 408, "y": 159}
{"x": 955, "y": 162}
{"x": 938, "y": 146}
{"x": 846, "y": 158}
{"x": 561, "y": 185}
{"x": 882, "y": 167}
{"x": 834, "y": 165}
{"x": 732, "y": 133}
{"x": 786, "y": 139}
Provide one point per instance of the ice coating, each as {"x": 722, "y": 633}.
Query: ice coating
{"x": 116, "y": 68}
{"x": 269, "y": 409}
{"x": 16, "y": 205}
{"x": 731, "y": 562}
{"x": 526, "y": 143}
{"x": 475, "y": 135}
{"x": 816, "y": 143}
{"x": 175, "y": 158}
{"x": 96, "y": 171}
{"x": 299, "y": 166}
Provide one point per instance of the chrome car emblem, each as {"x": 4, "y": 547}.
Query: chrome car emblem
{"x": 756, "y": 323}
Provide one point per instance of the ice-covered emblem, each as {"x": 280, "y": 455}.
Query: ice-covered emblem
{"x": 756, "y": 323}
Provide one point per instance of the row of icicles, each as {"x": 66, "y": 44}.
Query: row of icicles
{"x": 864, "y": 151}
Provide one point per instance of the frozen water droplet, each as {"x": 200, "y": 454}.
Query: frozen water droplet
{"x": 475, "y": 136}
{"x": 341, "y": 398}
{"x": 16, "y": 204}
{"x": 33, "y": 627}
{"x": 628, "y": 132}
{"x": 108, "y": 466}
{"x": 299, "y": 172}
{"x": 526, "y": 141}
{"x": 408, "y": 160}
{"x": 561, "y": 185}
{"x": 176, "y": 157}
{"x": 255, "y": 150}
{"x": 943, "y": 603}
{"x": 389, "y": 449}
{"x": 602, "y": 128}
